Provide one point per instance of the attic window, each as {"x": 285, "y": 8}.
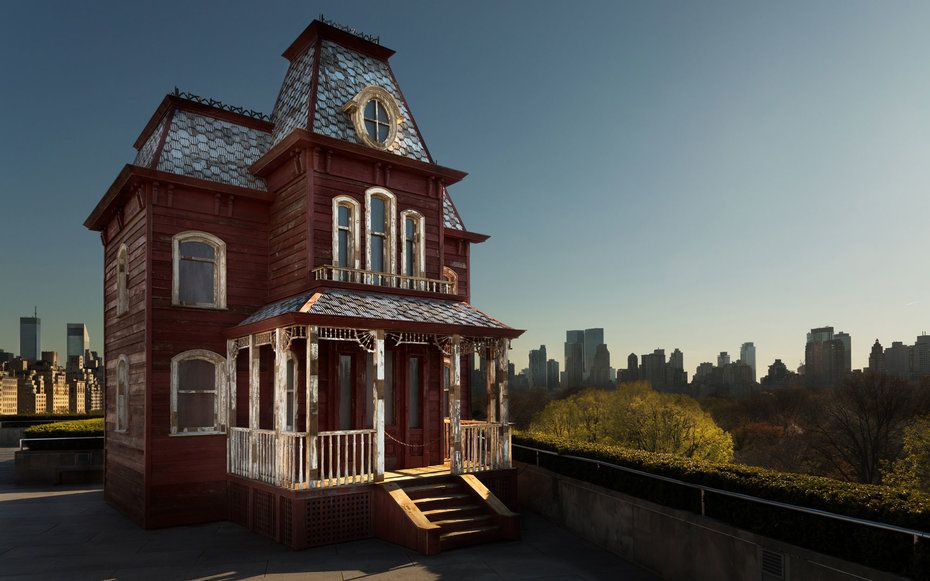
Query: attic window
{"x": 375, "y": 116}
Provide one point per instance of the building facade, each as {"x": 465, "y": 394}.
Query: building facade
{"x": 287, "y": 301}
{"x": 30, "y": 338}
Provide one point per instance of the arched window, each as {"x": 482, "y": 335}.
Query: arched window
{"x": 122, "y": 394}
{"x": 197, "y": 379}
{"x": 380, "y": 216}
{"x": 199, "y": 271}
{"x": 122, "y": 280}
{"x": 345, "y": 234}
{"x": 413, "y": 255}
{"x": 450, "y": 275}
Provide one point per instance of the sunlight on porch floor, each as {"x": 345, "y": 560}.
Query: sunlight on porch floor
{"x": 404, "y": 473}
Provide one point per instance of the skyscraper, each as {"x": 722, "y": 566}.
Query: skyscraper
{"x": 846, "y": 340}
{"x": 825, "y": 357}
{"x": 600, "y": 367}
{"x": 921, "y": 359}
{"x": 78, "y": 340}
{"x": 592, "y": 338}
{"x": 538, "y": 368}
{"x": 30, "y": 338}
{"x": 552, "y": 374}
{"x": 747, "y": 354}
{"x": 723, "y": 359}
{"x": 574, "y": 358}
{"x": 877, "y": 358}
{"x": 677, "y": 360}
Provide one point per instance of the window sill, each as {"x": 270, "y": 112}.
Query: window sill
{"x": 200, "y": 307}
{"x": 210, "y": 433}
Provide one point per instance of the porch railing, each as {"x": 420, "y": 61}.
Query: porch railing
{"x": 267, "y": 456}
{"x": 485, "y": 445}
{"x": 345, "y": 457}
{"x": 360, "y": 276}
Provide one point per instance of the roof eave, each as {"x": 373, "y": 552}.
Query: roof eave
{"x": 466, "y": 235}
{"x": 366, "y": 323}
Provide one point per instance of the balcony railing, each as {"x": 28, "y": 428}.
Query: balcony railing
{"x": 359, "y": 276}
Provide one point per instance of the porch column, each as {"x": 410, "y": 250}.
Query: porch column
{"x": 503, "y": 378}
{"x": 232, "y": 352}
{"x": 279, "y": 406}
{"x": 313, "y": 403}
{"x": 490, "y": 366}
{"x": 254, "y": 397}
{"x": 377, "y": 394}
{"x": 455, "y": 401}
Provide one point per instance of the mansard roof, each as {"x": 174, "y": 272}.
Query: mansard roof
{"x": 385, "y": 309}
{"x": 196, "y": 144}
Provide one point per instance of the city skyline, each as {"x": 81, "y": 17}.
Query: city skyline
{"x": 701, "y": 161}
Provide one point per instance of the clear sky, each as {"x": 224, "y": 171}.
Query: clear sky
{"x": 687, "y": 174}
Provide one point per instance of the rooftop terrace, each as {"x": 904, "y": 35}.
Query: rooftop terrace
{"x": 70, "y": 532}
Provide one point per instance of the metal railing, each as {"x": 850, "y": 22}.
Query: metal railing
{"x": 402, "y": 281}
{"x": 709, "y": 489}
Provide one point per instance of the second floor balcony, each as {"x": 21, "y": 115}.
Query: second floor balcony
{"x": 335, "y": 273}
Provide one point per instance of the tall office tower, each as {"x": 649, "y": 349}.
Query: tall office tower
{"x": 877, "y": 358}
{"x": 677, "y": 360}
{"x": 574, "y": 358}
{"x": 592, "y": 338}
{"x": 78, "y": 340}
{"x": 921, "y": 359}
{"x": 30, "y": 338}
{"x": 600, "y": 367}
{"x": 825, "y": 357}
{"x": 899, "y": 360}
{"x": 747, "y": 354}
{"x": 538, "y": 375}
{"x": 552, "y": 373}
{"x": 723, "y": 359}
{"x": 652, "y": 368}
{"x": 846, "y": 340}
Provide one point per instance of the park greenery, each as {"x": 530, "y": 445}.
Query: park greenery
{"x": 67, "y": 429}
{"x": 636, "y": 416}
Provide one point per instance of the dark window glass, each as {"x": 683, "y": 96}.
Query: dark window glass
{"x": 344, "y": 216}
{"x": 291, "y": 394}
{"x": 377, "y": 215}
{"x": 377, "y": 254}
{"x": 196, "y": 272}
{"x": 345, "y": 392}
{"x": 377, "y": 123}
{"x": 389, "y": 419}
{"x": 413, "y": 393}
{"x": 196, "y": 394}
{"x": 343, "y": 248}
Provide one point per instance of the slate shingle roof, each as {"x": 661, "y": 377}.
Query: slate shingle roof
{"x": 343, "y": 73}
{"x": 369, "y": 305}
{"x": 450, "y": 215}
{"x": 292, "y": 108}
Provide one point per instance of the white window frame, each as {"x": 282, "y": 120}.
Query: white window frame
{"x": 122, "y": 280}
{"x": 419, "y": 268}
{"x": 390, "y": 208}
{"x": 219, "y": 272}
{"x": 354, "y": 236}
{"x": 122, "y": 401}
{"x": 219, "y": 392}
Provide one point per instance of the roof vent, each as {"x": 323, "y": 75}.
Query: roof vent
{"x": 773, "y": 565}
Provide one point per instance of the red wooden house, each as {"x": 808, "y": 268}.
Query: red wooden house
{"x": 288, "y": 330}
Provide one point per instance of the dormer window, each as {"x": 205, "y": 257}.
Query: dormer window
{"x": 377, "y": 121}
{"x": 375, "y": 116}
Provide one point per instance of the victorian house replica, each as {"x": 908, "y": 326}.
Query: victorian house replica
{"x": 288, "y": 330}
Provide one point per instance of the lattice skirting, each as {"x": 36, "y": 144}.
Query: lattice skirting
{"x": 503, "y": 484}
{"x": 301, "y": 521}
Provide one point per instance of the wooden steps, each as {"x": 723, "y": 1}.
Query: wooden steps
{"x": 449, "y": 502}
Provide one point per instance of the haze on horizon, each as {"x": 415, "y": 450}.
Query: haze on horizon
{"x": 683, "y": 175}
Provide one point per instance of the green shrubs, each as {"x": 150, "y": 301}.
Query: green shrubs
{"x": 877, "y": 548}
{"x": 66, "y": 430}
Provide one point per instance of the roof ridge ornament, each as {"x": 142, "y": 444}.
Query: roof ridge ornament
{"x": 353, "y": 31}
{"x": 217, "y": 104}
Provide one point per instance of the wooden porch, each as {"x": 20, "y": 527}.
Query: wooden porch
{"x": 281, "y": 468}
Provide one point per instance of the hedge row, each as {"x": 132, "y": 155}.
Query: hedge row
{"x": 65, "y": 431}
{"x": 58, "y": 416}
{"x": 873, "y": 547}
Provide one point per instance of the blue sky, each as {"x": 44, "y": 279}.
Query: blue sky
{"x": 688, "y": 175}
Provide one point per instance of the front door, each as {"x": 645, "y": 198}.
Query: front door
{"x": 414, "y": 413}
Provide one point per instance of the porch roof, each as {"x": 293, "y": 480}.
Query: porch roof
{"x": 351, "y": 308}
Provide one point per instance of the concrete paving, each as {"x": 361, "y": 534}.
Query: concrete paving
{"x": 71, "y": 533}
